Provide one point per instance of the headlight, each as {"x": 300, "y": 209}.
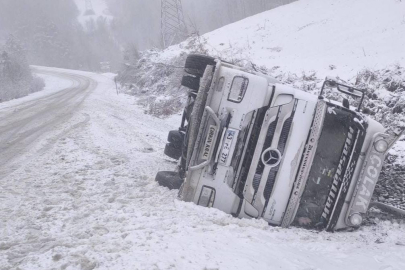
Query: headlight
{"x": 238, "y": 89}
{"x": 356, "y": 219}
{"x": 381, "y": 146}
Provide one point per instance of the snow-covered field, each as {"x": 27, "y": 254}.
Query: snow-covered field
{"x": 90, "y": 202}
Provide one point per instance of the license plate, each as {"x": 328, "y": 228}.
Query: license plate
{"x": 208, "y": 142}
{"x": 226, "y": 147}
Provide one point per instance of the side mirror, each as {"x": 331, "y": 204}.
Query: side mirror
{"x": 349, "y": 90}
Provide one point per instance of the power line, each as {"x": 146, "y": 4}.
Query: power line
{"x": 173, "y": 26}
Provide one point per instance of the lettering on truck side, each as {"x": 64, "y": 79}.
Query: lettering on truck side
{"x": 368, "y": 183}
{"x": 208, "y": 142}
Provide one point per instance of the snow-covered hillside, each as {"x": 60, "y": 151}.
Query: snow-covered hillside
{"x": 303, "y": 41}
{"x": 331, "y": 37}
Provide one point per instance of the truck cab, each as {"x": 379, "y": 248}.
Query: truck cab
{"x": 255, "y": 148}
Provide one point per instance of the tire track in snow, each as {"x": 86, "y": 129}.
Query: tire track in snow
{"x": 21, "y": 127}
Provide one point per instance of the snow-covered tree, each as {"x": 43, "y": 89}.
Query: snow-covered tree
{"x": 16, "y": 79}
{"x": 53, "y": 36}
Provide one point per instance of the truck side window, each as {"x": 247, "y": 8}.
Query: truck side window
{"x": 238, "y": 89}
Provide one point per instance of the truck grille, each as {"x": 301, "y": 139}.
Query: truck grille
{"x": 271, "y": 179}
{"x": 263, "y": 183}
{"x": 267, "y": 143}
{"x": 285, "y": 132}
{"x": 250, "y": 150}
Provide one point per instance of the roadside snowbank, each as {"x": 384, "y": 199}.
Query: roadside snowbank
{"x": 53, "y": 85}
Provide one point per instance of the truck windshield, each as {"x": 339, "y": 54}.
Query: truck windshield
{"x": 332, "y": 155}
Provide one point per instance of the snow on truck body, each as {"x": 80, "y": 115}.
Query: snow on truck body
{"x": 267, "y": 150}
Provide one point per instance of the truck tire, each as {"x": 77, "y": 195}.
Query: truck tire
{"x": 175, "y": 137}
{"x": 196, "y": 64}
{"x": 171, "y": 180}
{"x": 191, "y": 82}
{"x": 173, "y": 151}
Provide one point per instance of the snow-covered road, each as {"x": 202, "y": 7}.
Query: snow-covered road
{"x": 80, "y": 194}
{"x": 23, "y": 124}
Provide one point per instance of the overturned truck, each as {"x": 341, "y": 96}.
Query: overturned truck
{"x": 255, "y": 148}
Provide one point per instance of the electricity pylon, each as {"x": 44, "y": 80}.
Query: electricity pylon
{"x": 173, "y": 26}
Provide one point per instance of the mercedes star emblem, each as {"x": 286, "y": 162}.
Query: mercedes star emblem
{"x": 271, "y": 157}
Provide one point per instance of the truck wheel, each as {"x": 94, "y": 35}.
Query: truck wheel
{"x": 175, "y": 137}
{"x": 173, "y": 151}
{"x": 171, "y": 180}
{"x": 191, "y": 82}
{"x": 196, "y": 64}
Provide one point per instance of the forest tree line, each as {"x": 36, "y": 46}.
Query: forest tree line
{"x": 138, "y": 21}
{"x": 16, "y": 79}
{"x": 49, "y": 33}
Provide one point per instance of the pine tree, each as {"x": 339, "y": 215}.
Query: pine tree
{"x": 15, "y": 73}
